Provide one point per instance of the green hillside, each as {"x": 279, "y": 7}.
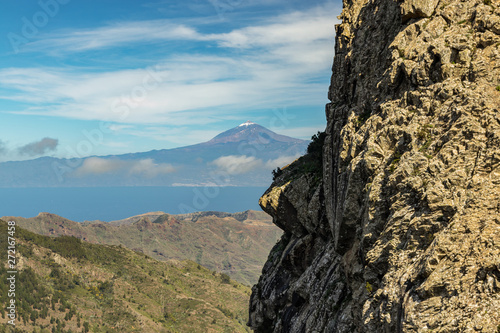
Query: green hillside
{"x": 236, "y": 244}
{"x": 66, "y": 285}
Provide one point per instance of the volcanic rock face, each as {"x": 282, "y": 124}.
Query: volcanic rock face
{"x": 403, "y": 232}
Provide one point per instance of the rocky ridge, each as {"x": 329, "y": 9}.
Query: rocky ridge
{"x": 402, "y": 232}
{"x": 235, "y": 244}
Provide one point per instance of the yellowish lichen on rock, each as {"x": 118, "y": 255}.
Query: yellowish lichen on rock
{"x": 409, "y": 205}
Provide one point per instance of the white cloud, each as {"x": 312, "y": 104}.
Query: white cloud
{"x": 115, "y": 35}
{"x": 295, "y": 28}
{"x": 121, "y": 96}
{"x": 97, "y": 166}
{"x": 281, "y": 161}
{"x": 192, "y": 89}
{"x": 145, "y": 167}
{"x": 237, "y": 164}
{"x": 118, "y": 128}
{"x": 275, "y": 64}
{"x": 149, "y": 168}
{"x": 299, "y": 27}
{"x": 241, "y": 164}
{"x": 179, "y": 136}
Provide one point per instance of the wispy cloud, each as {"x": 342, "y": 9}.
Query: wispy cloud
{"x": 119, "y": 128}
{"x": 180, "y": 136}
{"x": 281, "y": 161}
{"x": 274, "y": 62}
{"x": 98, "y": 166}
{"x": 150, "y": 169}
{"x": 295, "y": 28}
{"x": 292, "y": 28}
{"x": 116, "y": 34}
{"x": 145, "y": 167}
{"x": 237, "y": 164}
{"x": 39, "y": 148}
{"x": 215, "y": 82}
{"x": 241, "y": 164}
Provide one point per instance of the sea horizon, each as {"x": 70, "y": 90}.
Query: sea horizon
{"x": 115, "y": 203}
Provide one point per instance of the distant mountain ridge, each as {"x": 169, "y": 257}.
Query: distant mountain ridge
{"x": 248, "y": 149}
{"x": 236, "y": 244}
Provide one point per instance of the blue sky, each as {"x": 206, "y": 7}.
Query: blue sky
{"x": 80, "y": 78}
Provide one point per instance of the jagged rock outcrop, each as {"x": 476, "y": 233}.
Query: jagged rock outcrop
{"x": 402, "y": 234}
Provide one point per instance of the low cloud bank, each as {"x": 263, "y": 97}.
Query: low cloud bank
{"x": 237, "y": 164}
{"x": 241, "y": 164}
{"x": 146, "y": 167}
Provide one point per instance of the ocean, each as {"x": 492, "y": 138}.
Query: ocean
{"x": 115, "y": 203}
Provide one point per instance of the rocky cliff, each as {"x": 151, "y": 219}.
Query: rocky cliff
{"x": 400, "y": 230}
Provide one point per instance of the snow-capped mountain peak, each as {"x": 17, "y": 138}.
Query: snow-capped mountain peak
{"x": 247, "y": 123}
{"x": 252, "y": 133}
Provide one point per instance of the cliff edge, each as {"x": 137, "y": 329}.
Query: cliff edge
{"x": 399, "y": 229}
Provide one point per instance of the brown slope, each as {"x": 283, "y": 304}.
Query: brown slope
{"x": 65, "y": 285}
{"x": 237, "y": 244}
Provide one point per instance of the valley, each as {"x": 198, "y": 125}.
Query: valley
{"x": 236, "y": 244}
{"x": 68, "y": 285}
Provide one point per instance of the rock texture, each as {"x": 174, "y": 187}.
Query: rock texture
{"x": 402, "y": 232}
